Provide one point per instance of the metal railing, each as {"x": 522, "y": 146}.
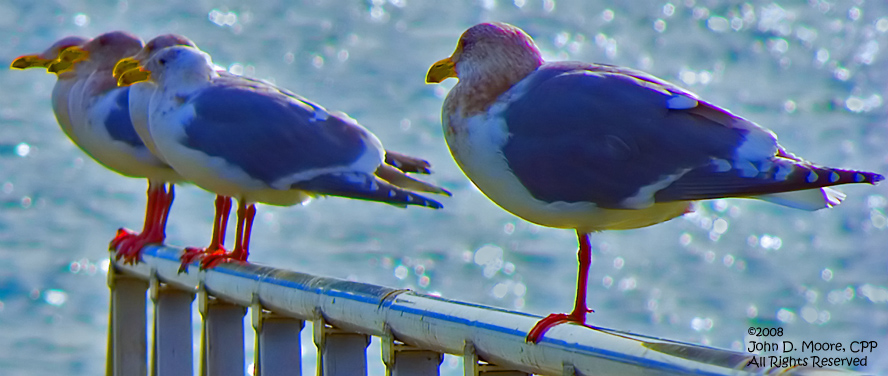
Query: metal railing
{"x": 415, "y": 329}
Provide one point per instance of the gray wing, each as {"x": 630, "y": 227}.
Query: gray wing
{"x": 118, "y": 123}
{"x": 624, "y": 139}
{"x": 269, "y": 135}
{"x": 400, "y": 161}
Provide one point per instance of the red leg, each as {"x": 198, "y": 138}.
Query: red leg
{"x": 245, "y": 215}
{"x": 123, "y": 233}
{"x": 248, "y": 230}
{"x": 584, "y": 256}
{"x": 129, "y": 246}
{"x": 223, "y": 222}
{"x": 217, "y": 242}
{"x": 167, "y": 204}
{"x": 156, "y": 231}
{"x": 578, "y": 315}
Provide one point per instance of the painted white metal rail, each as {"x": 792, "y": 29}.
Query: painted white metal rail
{"x": 415, "y": 329}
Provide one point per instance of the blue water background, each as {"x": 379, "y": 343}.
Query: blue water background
{"x": 812, "y": 71}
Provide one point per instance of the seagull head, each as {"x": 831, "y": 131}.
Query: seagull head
{"x": 487, "y": 50}
{"x": 181, "y": 64}
{"x": 45, "y": 58}
{"x": 158, "y": 43}
{"x": 101, "y": 52}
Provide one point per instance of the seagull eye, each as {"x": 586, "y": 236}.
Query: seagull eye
{"x": 162, "y": 61}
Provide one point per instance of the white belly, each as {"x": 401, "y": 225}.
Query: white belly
{"x": 139, "y": 99}
{"x": 87, "y": 115}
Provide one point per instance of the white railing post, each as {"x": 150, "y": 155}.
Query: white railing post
{"x": 222, "y": 342}
{"x": 568, "y": 370}
{"x": 127, "y": 325}
{"x": 109, "y": 351}
{"x": 340, "y": 353}
{"x": 404, "y": 360}
{"x": 473, "y": 367}
{"x": 278, "y": 343}
{"x": 172, "y": 349}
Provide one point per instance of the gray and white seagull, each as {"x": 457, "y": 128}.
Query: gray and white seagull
{"x": 595, "y": 147}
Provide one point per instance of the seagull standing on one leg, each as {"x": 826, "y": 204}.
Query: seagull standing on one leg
{"x": 595, "y": 147}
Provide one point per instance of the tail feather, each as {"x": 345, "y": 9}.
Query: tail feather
{"x": 807, "y": 199}
{"x": 407, "y": 163}
{"x": 362, "y": 186}
{"x": 783, "y": 181}
{"x": 400, "y": 179}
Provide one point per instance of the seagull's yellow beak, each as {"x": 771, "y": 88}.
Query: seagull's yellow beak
{"x": 66, "y": 60}
{"x": 125, "y": 65}
{"x": 441, "y": 70}
{"x": 132, "y": 76}
{"x": 30, "y": 61}
{"x": 59, "y": 67}
{"x": 73, "y": 54}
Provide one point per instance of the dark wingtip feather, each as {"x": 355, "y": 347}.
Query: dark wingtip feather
{"x": 363, "y": 186}
{"x": 406, "y": 163}
{"x": 710, "y": 183}
{"x": 825, "y": 176}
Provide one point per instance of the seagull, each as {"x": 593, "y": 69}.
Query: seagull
{"x": 140, "y": 94}
{"x": 249, "y": 140}
{"x": 93, "y": 112}
{"x": 595, "y": 147}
